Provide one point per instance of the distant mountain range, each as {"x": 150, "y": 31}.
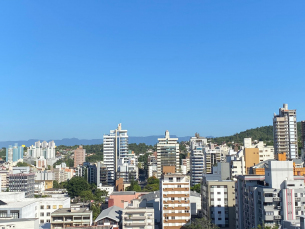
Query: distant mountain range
{"x": 149, "y": 140}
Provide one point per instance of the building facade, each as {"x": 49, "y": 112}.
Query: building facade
{"x": 14, "y": 153}
{"x": 79, "y": 156}
{"x": 71, "y": 217}
{"x": 22, "y": 182}
{"x": 218, "y": 201}
{"x": 115, "y": 147}
{"x": 285, "y": 132}
{"x": 45, "y": 149}
{"x": 175, "y": 201}
{"x": 197, "y": 145}
{"x": 269, "y": 199}
{"x": 135, "y": 217}
{"x": 167, "y": 153}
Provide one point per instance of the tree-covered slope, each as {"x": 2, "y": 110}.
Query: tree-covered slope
{"x": 264, "y": 133}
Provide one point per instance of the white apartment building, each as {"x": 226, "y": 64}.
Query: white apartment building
{"x": 17, "y": 206}
{"x": 167, "y": 153}
{"x": 45, "y": 149}
{"x": 238, "y": 160}
{"x": 152, "y": 170}
{"x": 135, "y": 217}
{"x": 265, "y": 152}
{"x": 41, "y": 162}
{"x": 115, "y": 147}
{"x": 270, "y": 199}
{"x": 187, "y": 163}
{"x": 285, "y": 132}
{"x": 175, "y": 200}
{"x": 197, "y": 145}
{"x": 19, "y": 223}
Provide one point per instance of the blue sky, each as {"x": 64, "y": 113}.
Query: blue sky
{"x": 78, "y": 68}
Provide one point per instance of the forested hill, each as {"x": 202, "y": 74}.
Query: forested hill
{"x": 264, "y": 133}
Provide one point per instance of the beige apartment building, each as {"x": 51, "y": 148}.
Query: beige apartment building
{"x": 167, "y": 153}
{"x": 136, "y": 217}
{"x": 218, "y": 200}
{"x": 71, "y": 217}
{"x": 79, "y": 156}
{"x": 285, "y": 132}
{"x": 175, "y": 201}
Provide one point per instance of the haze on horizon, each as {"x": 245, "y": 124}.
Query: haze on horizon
{"x": 77, "y": 69}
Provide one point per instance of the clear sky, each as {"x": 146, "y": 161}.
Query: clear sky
{"x": 217, "y": 67}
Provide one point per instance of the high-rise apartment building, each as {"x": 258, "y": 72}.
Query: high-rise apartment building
{"x": 14, "y": 153}
{"x": 303, "y": 133}
{"x": 212, "y": 155}
{"x": 175, "y": 200}
{"x": 167, "y": 153}
{"x": 42, "y": 149}
{"x": 115, "y": 147}
{"x": 197, "y": 145}
{"x": 102, "y": 174}
{"x": 285, "y": 132}
{"x": 271, "y": 198}
{"x": 79, "y": 156}
{"x": 218, "y": 200}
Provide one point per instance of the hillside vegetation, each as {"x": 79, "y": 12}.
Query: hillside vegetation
{"x": 264, "y": 133}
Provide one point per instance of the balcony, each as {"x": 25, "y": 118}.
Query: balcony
{"x": 135, "y": 224}
{"x": 276, "y": 198}
{"x": 277, "y": 217}
{"x": 135, "y": 217}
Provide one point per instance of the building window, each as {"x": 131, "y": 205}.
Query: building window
{"x": 41, "y": 221}
{"x": 41, "y": 214}
{"x": 54, "y": 207}
{"x": 48, "y": 214}
{"x": 41, "y": 207}
{"x": 48, "y": 221}
{"x": 60, "y": 206}
{"x": 170, "y": 179}
{"x": 48, "y": 207}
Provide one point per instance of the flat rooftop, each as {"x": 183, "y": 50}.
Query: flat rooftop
{"x": 62, "y": 211}
{"x": 17, "y": 220}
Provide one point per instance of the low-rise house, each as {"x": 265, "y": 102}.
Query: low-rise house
{"x": 71, "y": 217}
{"x": 110, "y": 218}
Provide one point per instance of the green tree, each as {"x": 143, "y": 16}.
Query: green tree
{"x": 152, "y": 184}
{"x": 196, "y": 188}
{"x": 134, "y": 186}
{"x": 201, "y": 223}
{"x": 22, "y": 164}
{"x": 76, "y": 185}
{"x": 56, "y": 184}
{"x": 96, "y": 210}
{"x": 87, "y": 195}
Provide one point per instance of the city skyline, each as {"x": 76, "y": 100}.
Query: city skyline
{"x": 208, "y": 67}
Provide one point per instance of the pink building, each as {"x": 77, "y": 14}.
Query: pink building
{"x": 79, "y": 156}
{"x": 118, "y": 198}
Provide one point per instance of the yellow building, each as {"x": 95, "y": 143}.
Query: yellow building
{"x": 251, "y": 158}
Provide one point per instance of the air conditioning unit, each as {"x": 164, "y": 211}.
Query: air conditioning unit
{"x": 166, "y": 220}
{"x": 165, "y": 207}
{"x": 179, "y": 201}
